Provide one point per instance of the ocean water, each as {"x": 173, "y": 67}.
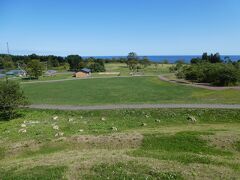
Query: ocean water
{"x": 172, "y": 59}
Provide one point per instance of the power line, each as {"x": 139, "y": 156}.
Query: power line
{"x": 8, "y": 49}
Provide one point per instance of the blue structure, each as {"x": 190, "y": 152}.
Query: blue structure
{"x": 86, "y": 70}
{"x": 16, "y": 73}
{"x": 2, "y": 76}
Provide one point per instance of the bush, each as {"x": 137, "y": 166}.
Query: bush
{"x": 11, "y": 97}
{"x": 227, "y": 75}
{"x": 97, "y": 67}
{"x": 217, "y": 74}
{"x": 34, "y": 69}
{"x": 177, "y": 67}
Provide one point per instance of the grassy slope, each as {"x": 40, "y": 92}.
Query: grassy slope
{"x": 123, "y": 91}
{"x": 147, "y": 143}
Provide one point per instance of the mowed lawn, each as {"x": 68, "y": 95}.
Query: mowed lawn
{"x": 149, "y": 70}
{"x": 130, "y": 90}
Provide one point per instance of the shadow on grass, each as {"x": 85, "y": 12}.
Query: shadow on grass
{"x": 184, "y": 147}
{"x": 15, "y": 115}
{"x": 38, "y": 172}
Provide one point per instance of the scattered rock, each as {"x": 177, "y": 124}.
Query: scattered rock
{"x": 143, "y": 124}
{"x": 81, "y": 130}
{"x": 6, "y": 131}
{"x": 55, "y": 117}
{"x": 81, "y": 117}
{"x": 56, "y": 127}
{"x": 23, "y": 125}
{"x": 147, "y": 116}
{"x": 192, "y": 119}
{"x": 33, "y": 122}
{"x": 22, "y": 130}
{"x": 59, "y": 134}
{"x": 70, "y": 120}
{"x": 103, "y": 119}
{"x": 114, "y": 128}
{"x": 158, "y": 120}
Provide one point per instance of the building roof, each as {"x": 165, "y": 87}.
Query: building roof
{"x": 15, "y": 72}
{"x": 51, "y": 72}
{"x": 86, "y": 70}
{"x": 2, "y": 75}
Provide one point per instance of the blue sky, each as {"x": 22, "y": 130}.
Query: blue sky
{"x": 116, "y": 27}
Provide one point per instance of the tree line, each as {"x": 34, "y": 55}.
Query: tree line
{"x": 76, "y": 63}
{"x": 34, "y": 64}
{"x": 210, "y": 69}
{"x": 10, "y": 61}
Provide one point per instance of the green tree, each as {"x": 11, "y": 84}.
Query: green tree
{"x": 216, "y": 58}
{"x": 227, "y": 75}
{"x": 11, "y": 97}
{"x": 53, "y": 61}
{"x": 196, "y": 60}
{"x": 66, "y": 66}
{"x": 214, "y": 73}
{"x": 1, "y": 63}
{"x": 132, "y": 56}
{"x": 74, "y": 62}
{"x": 145, "y": 62}
{"x": 8, "y": 63}
{"x": 132, "y": 61}
{"x": 205, "y": 57}
{"x": 89, "y": 62}
{"x": 97, "y": 67}
{"x": 34, "y": 69}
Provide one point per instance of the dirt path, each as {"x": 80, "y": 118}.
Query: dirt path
{"x": 163, "y": 78}
{"x": 134, "y": 106}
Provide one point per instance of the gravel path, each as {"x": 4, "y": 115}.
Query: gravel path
{"x": 134, "y": 106}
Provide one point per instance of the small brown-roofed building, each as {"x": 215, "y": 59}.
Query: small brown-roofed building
{"x": 83, "y": 73}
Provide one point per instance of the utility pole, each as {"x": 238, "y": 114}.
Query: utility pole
{"x": 8, "y": 49}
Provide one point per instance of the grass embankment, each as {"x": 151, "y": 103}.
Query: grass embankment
{"x": 124, "y": 91}
{"x": 120, "y": 144}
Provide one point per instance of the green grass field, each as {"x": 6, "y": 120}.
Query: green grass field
{"x": 110, "y": 67}
{"x": 150, "y": 70}
{"x": 121, "y": 144}
{"x": 123, "y": 91}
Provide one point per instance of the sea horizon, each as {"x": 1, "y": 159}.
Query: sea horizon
{"x": 169, "y": 58}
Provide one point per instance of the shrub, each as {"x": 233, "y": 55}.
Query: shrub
{"x": 177, "y": 67}
{"x": 97, "y": 67}
{"x": 11, "y": 97}
{"x": 34, "y": 69}
{"x": 227, "y": 75}
{"x": 215, "y": 73}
